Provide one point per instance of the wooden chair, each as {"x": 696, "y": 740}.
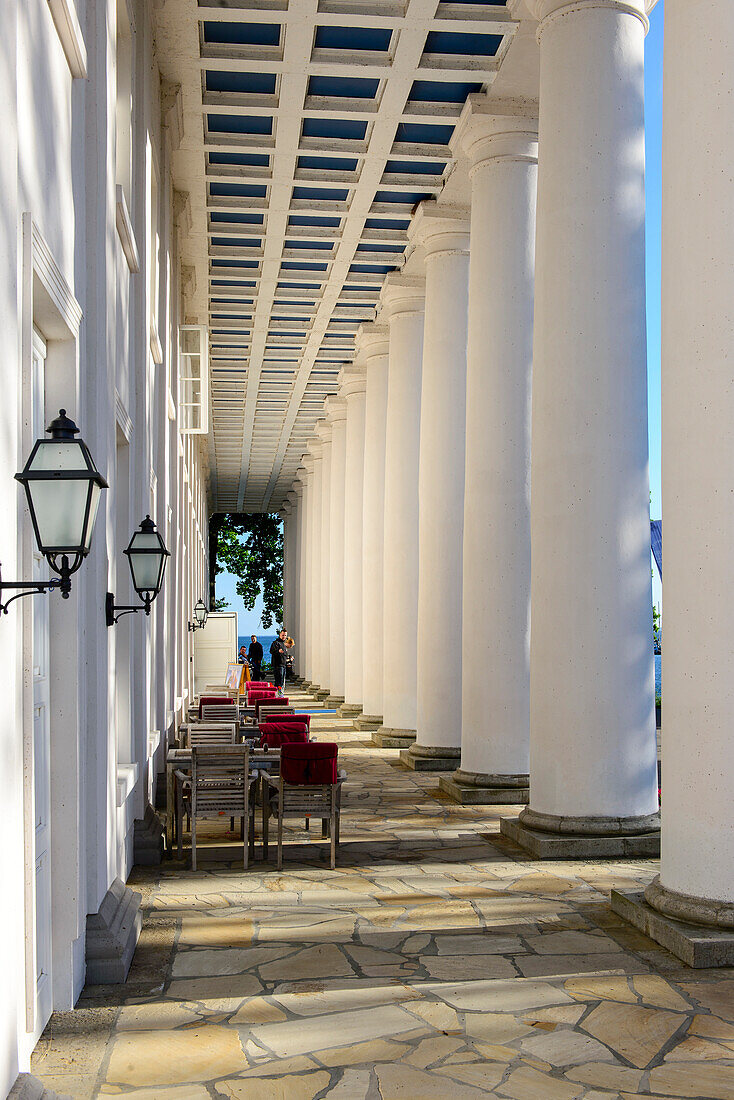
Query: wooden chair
{"x": 221, "y": 783}
{"x": 308, "y": 786}
{"x": 205, "y": 734}
{"x": 219, "y": 712}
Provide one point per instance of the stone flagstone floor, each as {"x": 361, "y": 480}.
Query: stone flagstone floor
{"x": 435, "y": 962}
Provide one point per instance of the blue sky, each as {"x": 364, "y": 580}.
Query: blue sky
{"x": 249, "y": 621}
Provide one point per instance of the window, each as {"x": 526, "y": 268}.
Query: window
{"x": 193, "y": 379}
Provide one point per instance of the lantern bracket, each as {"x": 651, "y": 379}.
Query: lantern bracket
{"x": 33, "y": 588}
{"x": 114, "y": 612}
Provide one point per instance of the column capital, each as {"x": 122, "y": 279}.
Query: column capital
{"x": 547, "y": 10}
{"x": 292, "y": 498}
{"x": 352, "y": 380}
{"x": 403, "y": 294}
{"x": 298, "y": 485}
{"x": 372, "y": 340}
{"x": 496, "y": 128}
{"x": 307, "y": 463}
{"x": 322, "y": 429}
{"x": 440, "y": 229}
{"x": 314, "y": 449}
{"x": 285, "y": 508}
{"x": 336, "y": 409}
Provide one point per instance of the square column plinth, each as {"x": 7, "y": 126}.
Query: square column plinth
{"x": 697, "y": 945}
{"x": 418, "y": 759}
{"x": 542, "y": 845}
{"x": 468, "y": 794}
{"x": 387, "y": 738}
{"x": 367, "y": 723}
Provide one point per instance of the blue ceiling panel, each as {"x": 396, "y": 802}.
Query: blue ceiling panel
{"x": 239, "y": 124}
{"x": 224, "y": 80}
{"x": 452, "y": 42}
{"x": 334, "y": 164}
{"x": 353, "y": 38}
{"x": 442, "y": 91}
{"x": 423, "y": 133}
{"x": 416, "y": 167}
{"x": 234, "y": 160}
{"x": 343, "y": 87}
{"x": 352, "y": 129}
{"x": 241, "y": 34}
{"x": 238, "y": 190}
{"x": 238, "y": 216}
{"x": 321, "y": 194}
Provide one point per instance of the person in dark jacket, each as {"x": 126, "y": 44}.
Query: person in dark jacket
{"x": 278, "y": 654}
{"x": 255, "y": 657}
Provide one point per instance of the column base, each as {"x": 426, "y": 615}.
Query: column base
{"x": 349, "y": 710}
{"x": 112, "y": 935}
{"x": 697, "y": 944}
{"x": 321, "y": 693}
{"x": 430, "y": 758}
{"x": 333, "y": 701}
{"x": 486, "y": 789}
{"x": 368, "y": 722}
{"x": 148, "y": 839}
{"x": 385, "y": 737}
{"x": 549, "y": 836}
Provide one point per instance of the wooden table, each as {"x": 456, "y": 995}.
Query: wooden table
{"x": 180, "y": 760}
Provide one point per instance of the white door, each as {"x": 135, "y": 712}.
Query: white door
{"x": 41, "y": 742}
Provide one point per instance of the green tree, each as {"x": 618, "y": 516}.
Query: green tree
{"x": 251, "y": 548}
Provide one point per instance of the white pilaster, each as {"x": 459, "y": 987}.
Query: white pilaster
{"x": 296, "y": 495}
{"x": 404, "y": 302}
{"x": 592, "y": 756}
{"x": 323, "y": 431}
{"x": 336, "y": 415}
{"x": 444, "y": 234}
{"x": 314, "y": 626}
{"x": 352, "y": 380}
{"x": 373, "y": 340}
{"x": 698, "y": 464}
{"x": 501, "y": 142}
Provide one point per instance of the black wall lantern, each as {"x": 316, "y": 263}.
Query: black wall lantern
{"x": 201, "y": 614}
{"x": 146, "y": 556}
{"x": 63, "y": 488}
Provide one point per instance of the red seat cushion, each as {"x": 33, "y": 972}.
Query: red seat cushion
{"x": 214, "y": 700}
{"x": 274, "y": 736}
{"x": 253, "y": 685}
{"x": 312, "y": 764}
{"x": 269, "y": 699}
{"x": 261, "y": 693}
{"x": 293, "y": 719}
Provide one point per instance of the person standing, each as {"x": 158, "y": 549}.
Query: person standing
{"x": 278, "y": 654}
{"x": 255, "y": 657}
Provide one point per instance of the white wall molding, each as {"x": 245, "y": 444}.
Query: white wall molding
{"x": 68, "y": 28}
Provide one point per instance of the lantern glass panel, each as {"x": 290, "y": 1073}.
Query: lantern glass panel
{"x": 60, "y": 505}
{"x": 200, "y": 613}
{"x": 145, "y": 560}
{"x": 93, "y": 506}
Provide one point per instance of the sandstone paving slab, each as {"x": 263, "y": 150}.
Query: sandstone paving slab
{"x": 712, "y": 1026}
{"x": 717, "y": 997}
{"x": 606, "y": 1076}
{"x": 289, "y": 1087}
{"x": 233, "y": 986}
{"x": 178, "y": 1092}
{"x": 513, "y": 995}
{"x": 311, "y": 1034}
{"x": 224, "y": 960}
{"x": 369, "y": 1053}
{"x": 695, "y": 1049}
{"x": 324, "y": 960}
{"x": 354, "y": 1085}
{"x": 489, "y": 943}
{"x": 174, "y": 1057}
{"x": 526, "y": 1083}
{"x": 319, "y": 998}
{"x": 565, "y": 1047}
{"x": 536, "y": 966}
{"x": 159, "y": 1015}
{"x": 401, "y": 1082}
{"x": 456, "y": 967}
{"x": 638, "y": 1034}
{"x": 691, "y": 1080}
{"x": 483, "y": 1076}
{"x": 571, "y": 943}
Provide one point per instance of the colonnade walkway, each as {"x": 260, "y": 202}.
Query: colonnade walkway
{"x": 437, "y": 960}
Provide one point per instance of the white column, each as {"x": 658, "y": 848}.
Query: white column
{"x": 296, "y": 498}
{"x": 287, "y": 521}
{"x": 404, "y": 300}
{"x": 373, "y": 339}
{"x": 352, "y": 381}
{"x": 443, "y": 232}
{"x": 336, "y": 415}
{"x": 324, "y": 433}
{"x": 592, "y": 756}
{"x": 502, "y": 147}
{"x": 697, "y": 870}
{"x": 314, "y": 626}
{"x": 305, "y": 472}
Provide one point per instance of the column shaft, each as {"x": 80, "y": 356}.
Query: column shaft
{"x": 336, "y": 414}
{"x": 353, "y": 390}
{"x": 698, "y": 411}
{"x": 375, "y": 343}
{"x": 324, "y": 626}
{"x": 495, "y": 742}
{"x": 404, "y": 300}
{"x": 315, "y": 569}
{"x": 592, "y": 756}
{"x": 445, "y": 237}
